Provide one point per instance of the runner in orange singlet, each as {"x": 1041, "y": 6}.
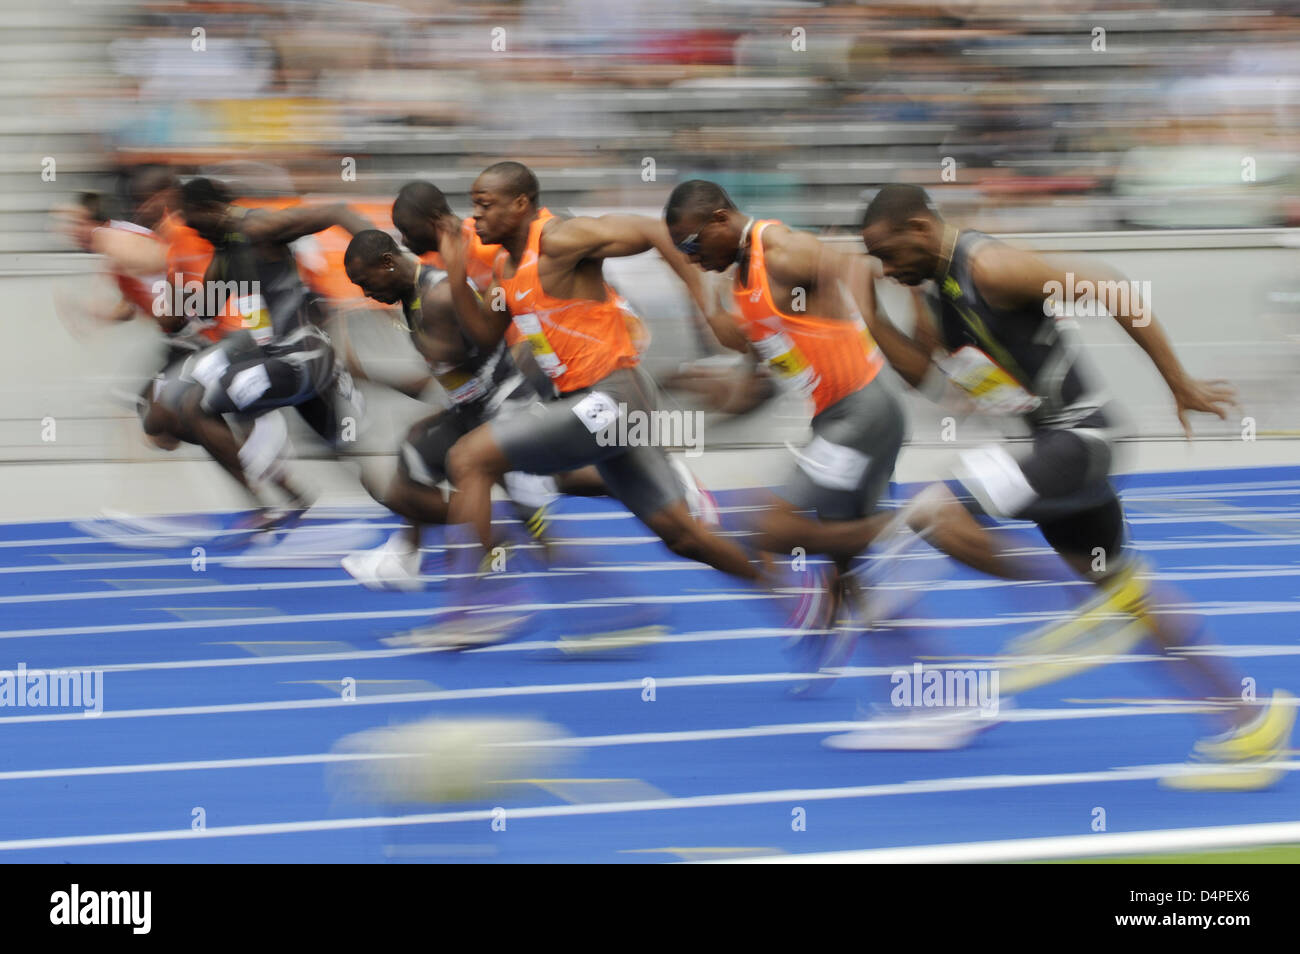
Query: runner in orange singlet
{"x": 417, "y": 211}
{"x": 549, "y": 284}
{"x": 797, "y": 314}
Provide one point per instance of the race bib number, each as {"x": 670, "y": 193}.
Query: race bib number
{"x": 462, "y": 387}
{"x": 208, "y": 368}
{"x": 784, "y": 357}
{"x": 530, "y": 326}
{"x": 255, "y": 317}
{"x": 992, "y": 389}
{"x": 597, "y": 411}
{"x": 249, "y": 385}
{"x": 833, "y": 465}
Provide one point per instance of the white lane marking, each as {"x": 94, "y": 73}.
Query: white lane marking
{"x": 1103, "y": 844}
{"x": 427, "y": 611}
{"x": 699, "y": 636}
{"x": 174, "y": 591}
{"x": 1135, "y": 773}
{"x": 521, "y": 646}
{"x": 542, "y": 689}
{"x": 662, "y": 566}
{"x": 440, "y": 695}
{"x": 1202, "y": 542}
{"x": 234, "y": 560}
{"x": 594, "y": 741}
{"x": 1206, "y": 608}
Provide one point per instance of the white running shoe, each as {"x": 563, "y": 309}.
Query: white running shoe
{"x": 698, "y": 500}
{"x": 392, "y": 566}
{"x": 927, "y": 730}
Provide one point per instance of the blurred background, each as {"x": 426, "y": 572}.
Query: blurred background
{"x": 1053, "y": 117}
{"x": 1175, "y": 124}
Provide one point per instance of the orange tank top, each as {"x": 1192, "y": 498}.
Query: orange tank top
{"x": 139, "y": 291}
{"x": 188, "y": 257}
{"x": 577, "y": 342}
{"x": 823, "y": 358}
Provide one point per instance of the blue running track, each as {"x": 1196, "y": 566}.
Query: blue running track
{"x": 222, "y": 697}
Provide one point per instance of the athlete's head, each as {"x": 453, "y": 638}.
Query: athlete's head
{"x": 903, "y": 230}
{"x": 155, "y": 190}
{"x": 377, "y": 266}
{"x": 705, "y": 224}
{"x": 205, "y": 205}
{"x": 78, "y": 220}
{"x": 504, "y": 195}
{"x": 416, "y": 212}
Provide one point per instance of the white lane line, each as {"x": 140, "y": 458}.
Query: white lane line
{"x": 594, "y": 741}
{"x": 173, "y": 591}
{"x": 191, "y": 766}
{"x": 439, "y": 695}
{"x": 239, "y": 560}
{"x": 1205, "y": 608}
{"x": 521, "y": 646}
{"x": 1172, "y": 574}
{"x": 1250, "y": 651}
{"x": 1135, "y": 773}
{"x": 1102, "y": 844}
{"x": 427, "y": 611}
{"x": 1203, "y": 542}
{"x": 661, "y": 566}
{"x": 542, "y": 689}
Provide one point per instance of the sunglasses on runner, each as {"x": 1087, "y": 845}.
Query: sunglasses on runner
{"x": 690, "y": 245}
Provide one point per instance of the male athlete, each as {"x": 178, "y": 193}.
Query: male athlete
{"x": 796, "y": 313}
{"x": 997, "y": 340}
{"x": 550, "y": 284}
{"x": 478, "y": 383}
{"x": 281, "y": 358}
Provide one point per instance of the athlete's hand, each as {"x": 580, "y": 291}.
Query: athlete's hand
{"x": 452, "y": 245}
{"x": 1210, "y": 397}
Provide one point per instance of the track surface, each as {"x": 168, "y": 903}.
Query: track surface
{"x": 222, "y": 698}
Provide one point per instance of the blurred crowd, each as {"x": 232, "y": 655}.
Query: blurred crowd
{"x": 1019, "y": 116}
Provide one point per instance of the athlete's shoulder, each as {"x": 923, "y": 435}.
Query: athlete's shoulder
{"x": 787, "y": 252}
{"x": 1006, "y": 276}
{"x": 121, "y": 225}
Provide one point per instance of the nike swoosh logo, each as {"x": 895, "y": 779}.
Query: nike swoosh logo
{"x": 520, "y": 296}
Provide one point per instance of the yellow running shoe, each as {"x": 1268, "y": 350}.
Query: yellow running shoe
{"x": 1243, "y": 760}
{"x": 1264, "y": 736}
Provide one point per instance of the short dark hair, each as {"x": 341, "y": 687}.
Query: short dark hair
{"x": 368, "y": 246}
{"x": 421, "y": 198}
{"x": 898, "y": 202}
{"x": 149, "y": 179}
{"x": 201, "y": 191}
{"x": 696, "y": 197}
{"x": 93, "y": 203}
{"x": 519, "y": 179}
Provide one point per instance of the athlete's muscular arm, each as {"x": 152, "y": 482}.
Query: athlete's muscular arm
{"x": 799, "y": 260}
{"x": 130, "y": 253}
{"x": 1009, "y": 277}
{"x": 484, "y": 324}
{"x": 725, "y": 328}
{"x": 286, "y": 225}
{"x": 910, "y": 356}
{"x": 618, "y": 235}
{"x": 569, "y": 241}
